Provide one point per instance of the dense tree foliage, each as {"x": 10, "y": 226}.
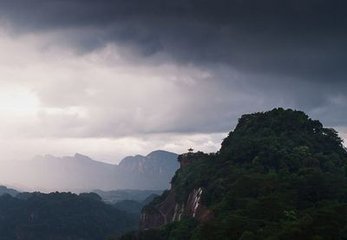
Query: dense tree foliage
{"x": 278, "y": 175}
{"x": 60, "y": 216}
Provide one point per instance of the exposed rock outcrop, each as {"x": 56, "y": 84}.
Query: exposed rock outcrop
{"x": 184, "y": 159}
{"x": 169, "y": 210}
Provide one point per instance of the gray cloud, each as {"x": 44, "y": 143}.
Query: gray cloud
{"x": 184, "y": 66}
{"x": 305, "y": 39}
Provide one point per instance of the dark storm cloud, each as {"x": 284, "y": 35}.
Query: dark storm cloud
{"x": 289, "y": 53}
{"x": 305, "y": 39}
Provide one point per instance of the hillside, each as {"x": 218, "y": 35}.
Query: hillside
{"x": 278, "y": 175}
{"x": 80, "y": 173}
{"x": 60, "y": 216}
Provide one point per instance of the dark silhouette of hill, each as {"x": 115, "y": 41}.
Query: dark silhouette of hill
{"x": 60, "y": 216}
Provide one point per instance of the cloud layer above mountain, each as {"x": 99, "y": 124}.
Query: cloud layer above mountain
{"x": 153, "y": 71}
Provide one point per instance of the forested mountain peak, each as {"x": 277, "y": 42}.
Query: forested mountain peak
{"x": 278, "y": 175}
{"x": 283, "y": 139}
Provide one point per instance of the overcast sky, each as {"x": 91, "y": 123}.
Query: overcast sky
{"x": 116, "y": 78}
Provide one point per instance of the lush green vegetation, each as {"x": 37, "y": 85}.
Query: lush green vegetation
{"x": 278, "y": 175}
{"x": 60, "y": 216}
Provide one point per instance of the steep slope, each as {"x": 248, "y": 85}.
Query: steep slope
{"x": 278, "y": 175}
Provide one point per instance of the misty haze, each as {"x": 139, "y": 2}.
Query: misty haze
{"x": 173, "y": 120}
{"x": 80, "y": 173}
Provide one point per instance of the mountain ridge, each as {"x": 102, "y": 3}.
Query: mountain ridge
{"x": 80, "y": 173}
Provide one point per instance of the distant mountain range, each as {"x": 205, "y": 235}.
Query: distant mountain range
{"x": 80, "y": 173}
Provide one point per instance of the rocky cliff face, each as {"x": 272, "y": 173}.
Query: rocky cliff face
{"x": 169, "y": 209}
